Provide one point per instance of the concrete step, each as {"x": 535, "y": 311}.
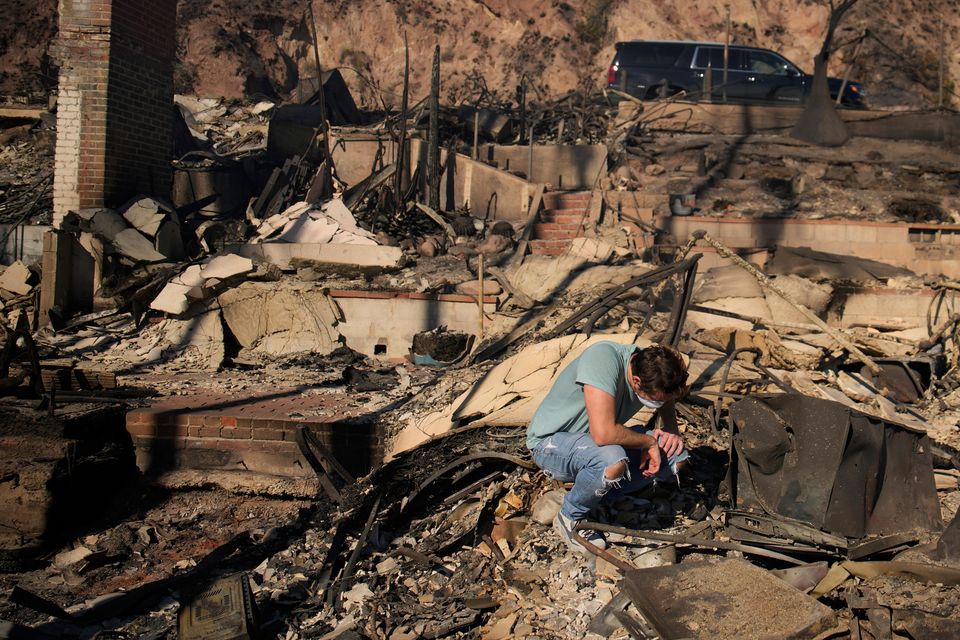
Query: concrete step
{"x": 549, "y": 247}
{"x": 553, "y": 232}
{"x": 566, "y": 210}
{"x": 560, "y": 199}
{"x": 563, "y": 218}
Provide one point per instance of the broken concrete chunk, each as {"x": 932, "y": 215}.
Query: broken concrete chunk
{"x": 281, "y": 321}
{"x": 855, "y": 387}
{"x": 191, "y": 276}
{"x": 105, "y": 222}
{"x": 362, "y": 258}
{"x": 146, "y": 215}
{"x": 173, "y": 298}
{"x": 226, "y": 266}
{"x": 812, "y": 295}
{"x": 547, "y": 506}
{"x": 591, "y": 249}
{"x": 135, "y": 246}
{"x": 262, "y": 107}
{"x": 72, "y": 557}
{"x": 472, "y": 288}
{"x": 17, "y": 279}
{"x": 679, "y": 600}
{"x": 727, "y": 282}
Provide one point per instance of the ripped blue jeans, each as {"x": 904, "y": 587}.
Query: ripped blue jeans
{"x": 575, "y": 457}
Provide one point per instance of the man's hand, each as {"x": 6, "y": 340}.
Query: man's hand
{"x": 650, "y": 461}
{"x": 671, "y": 443}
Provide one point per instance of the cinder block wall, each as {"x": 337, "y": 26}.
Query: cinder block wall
{"x": 114, "y": 125}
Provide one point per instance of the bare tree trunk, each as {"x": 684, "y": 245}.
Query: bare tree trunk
{"x": 820, "y": 123}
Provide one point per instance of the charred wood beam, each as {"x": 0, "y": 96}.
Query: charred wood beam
{"x": 433, "y": 136}
{"x": 402, "y": 136}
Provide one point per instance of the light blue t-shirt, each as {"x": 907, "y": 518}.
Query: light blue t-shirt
{"x": 603, "y": 365}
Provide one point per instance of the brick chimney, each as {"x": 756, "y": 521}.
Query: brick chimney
{"x": 114, "y": 125}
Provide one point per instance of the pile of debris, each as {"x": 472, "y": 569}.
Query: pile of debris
{"x": 823, "y": 446}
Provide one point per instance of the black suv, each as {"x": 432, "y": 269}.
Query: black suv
{"x": 649, "y": 69}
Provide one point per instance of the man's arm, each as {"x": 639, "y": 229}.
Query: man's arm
{"x": 604, "y": 429}
{"x": 669, "y": 434}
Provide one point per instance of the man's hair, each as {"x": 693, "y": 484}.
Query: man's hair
{"x": 659, "y": 368}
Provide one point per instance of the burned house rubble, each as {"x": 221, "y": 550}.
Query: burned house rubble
{"x": 288, "y": 396}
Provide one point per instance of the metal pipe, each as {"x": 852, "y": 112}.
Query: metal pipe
{"x": 669, "y": 537}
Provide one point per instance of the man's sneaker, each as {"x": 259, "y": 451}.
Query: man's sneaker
{"x": 564, "y": 526}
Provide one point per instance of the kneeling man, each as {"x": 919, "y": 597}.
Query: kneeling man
{"x": 578, "y": 434}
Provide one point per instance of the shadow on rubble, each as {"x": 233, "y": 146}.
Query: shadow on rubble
{"x": 767, "y": 235}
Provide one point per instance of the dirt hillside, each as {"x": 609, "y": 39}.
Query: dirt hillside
{"x": 238, "y": 48}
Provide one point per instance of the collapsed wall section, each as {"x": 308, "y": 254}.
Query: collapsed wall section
{"x": 114, "y": 126}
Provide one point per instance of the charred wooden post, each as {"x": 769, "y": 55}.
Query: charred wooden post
{"x": 433, "y": 136}
{"x": 726, "y": 54}
{"x": 522, "y": 100}
{"x": 398, "y": 189}
{"x": 476, "y": 133}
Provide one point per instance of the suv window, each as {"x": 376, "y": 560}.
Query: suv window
{"x": 650, "y": 54}
{"x": 766, "y": 62}
{"x": 714, "y": 57}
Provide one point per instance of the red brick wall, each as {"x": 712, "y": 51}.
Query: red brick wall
{"x": 116, "y": 98}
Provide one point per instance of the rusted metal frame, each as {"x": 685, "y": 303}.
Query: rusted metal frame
{"x": 666, "y": 537}
{"x": 402, "y": 137}
{"x": 650, "y": 278}
{"x": 606, "y": 622}
{"x": 485, "y": 456}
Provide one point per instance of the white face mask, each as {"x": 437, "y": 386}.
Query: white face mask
{"x": 651, "y": 404}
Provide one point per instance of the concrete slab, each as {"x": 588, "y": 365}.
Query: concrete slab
{"x": 226, "y": 266}
{"x": 251, "y": 431}
{"x": 728, "y": 598}
{"x": 173, "y": 299}
{"x": 363, "y": 257}
{"x": 146, "y": 215}
{"x": 280, "y": 322}
{"x": 364, "y": 330}
{"x": 135, "y": 246}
